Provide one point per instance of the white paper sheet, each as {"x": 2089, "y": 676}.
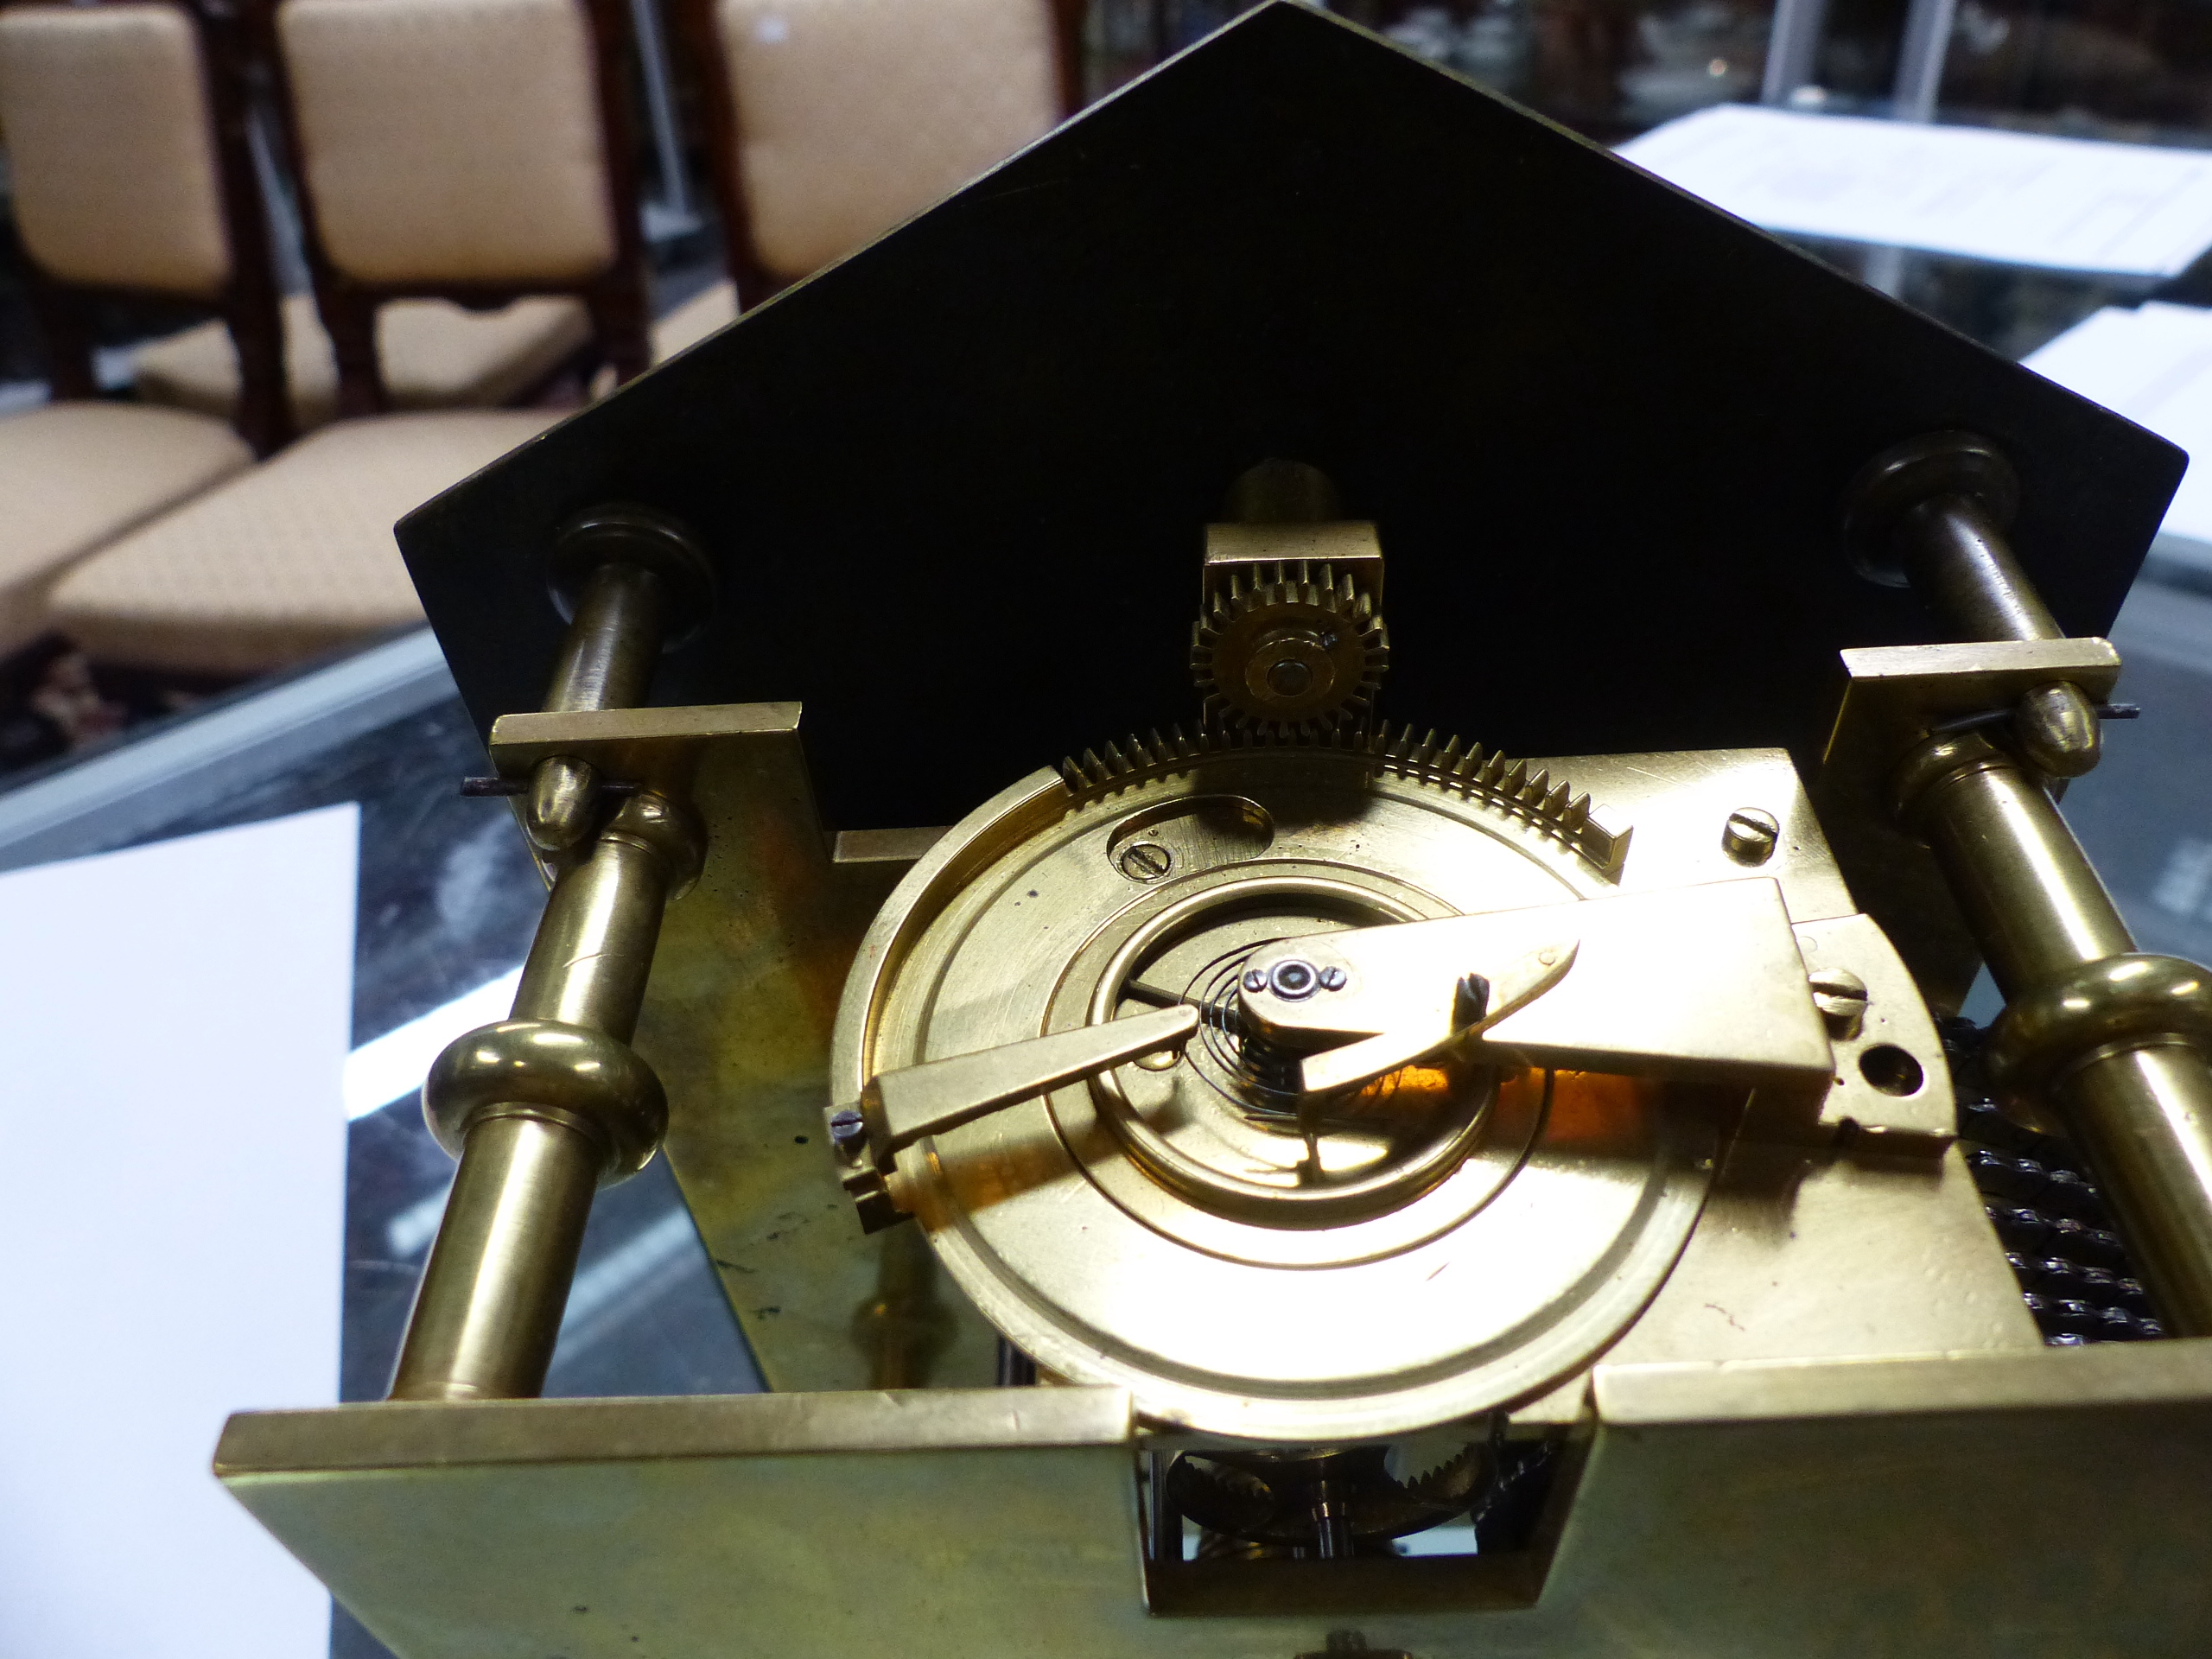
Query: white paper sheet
{"x": 175, "y": 1020}
{"x": 2070, "y": 204}
{"x": 2153, "y": 364}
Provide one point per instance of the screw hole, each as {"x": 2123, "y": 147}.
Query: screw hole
{"x": 1891, "y": 1070}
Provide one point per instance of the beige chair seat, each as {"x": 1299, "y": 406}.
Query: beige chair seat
{"x": 293, "y": 557}
{"x": 74, "y": 476}
{"x": 435, "y": 354}
{"x": 712, "y": 307}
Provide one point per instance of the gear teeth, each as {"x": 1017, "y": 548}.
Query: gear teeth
{"x": 1552, "y": 808}
{"x": 1314, "y": 585}
{"x": 1440, "y": 1483}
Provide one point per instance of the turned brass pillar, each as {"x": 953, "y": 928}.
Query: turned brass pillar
{"x": 545, "y": 1107}
{"x": 2097, "y": 1041}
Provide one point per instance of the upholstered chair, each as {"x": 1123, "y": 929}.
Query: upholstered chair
{"x": 475, "y": 151}
{"x": 433, "y": 354}
{"x": 126, "y": 143}
{"x": 472, "y": 150}
{"x": 831, "y": 120}
{"x": 501, "y": 106}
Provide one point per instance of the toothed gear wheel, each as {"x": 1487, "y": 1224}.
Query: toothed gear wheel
{"x": 1268, "y": 1497}
{"x": 1289, "y": 649}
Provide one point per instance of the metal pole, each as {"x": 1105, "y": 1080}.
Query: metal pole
{"x": 1921, "y": 56}
{"x": 2096, "y": 1041}
{"x": 674, "y": 210}
{"x": 543, "y": 1108}
{"x": 548, "y": 1105}
{"x": 1793, "y": 49}
{"x": 1931, "y": 514}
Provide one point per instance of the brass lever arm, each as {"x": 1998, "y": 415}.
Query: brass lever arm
{"x": 901, "y": 1107}
{"x": 1401, "y": 992}
{"x": 1703, "y": 983}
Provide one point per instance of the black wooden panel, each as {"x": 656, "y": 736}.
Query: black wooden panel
{"x": 957, "y": 481}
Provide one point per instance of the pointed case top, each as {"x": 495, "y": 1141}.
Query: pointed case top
{"x": 957, "y": 483}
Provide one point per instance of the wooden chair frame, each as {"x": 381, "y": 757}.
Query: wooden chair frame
{"x": 618, "y": 298}
{"x": 718, "y": 98}
{"x": 249, "y": 303}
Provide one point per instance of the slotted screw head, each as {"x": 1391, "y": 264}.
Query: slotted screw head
{"x": 1751, "y": 835}
{"x": 1840, "y": 996}
{"x": 1144, "y": 861}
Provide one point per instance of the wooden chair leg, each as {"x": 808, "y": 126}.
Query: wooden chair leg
{"x": 351, "y": 320}
{"x": 69, "y": 372}
{"x": 618, "y": 315}
{"x": 265, "y": 411}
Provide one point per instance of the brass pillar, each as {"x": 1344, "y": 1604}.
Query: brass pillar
{"x": 544, "y": 1108}
{"x": 2096, "y": 1041}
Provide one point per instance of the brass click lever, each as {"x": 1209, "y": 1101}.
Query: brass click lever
{"x": 899, "y": 1108}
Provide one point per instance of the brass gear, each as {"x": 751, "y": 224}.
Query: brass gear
{"x": 1151, "y": 1230}
{"x": 1289, "y": 649}
{"x": 1266, "y": 1497}
{"x": 1551, "y": 807}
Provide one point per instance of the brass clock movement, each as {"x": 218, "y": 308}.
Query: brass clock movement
{"x": 1283, "y": 820}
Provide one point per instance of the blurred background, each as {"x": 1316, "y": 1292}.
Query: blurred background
{"x": 273, "y": 272}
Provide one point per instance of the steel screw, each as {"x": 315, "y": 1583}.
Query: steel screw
{"x": 1256, "y": 979}
{"x": 1751, "y": 835}
{"x": 1144, "y": 861}
{"x": 846, "y": 1127}
{"x": 1334, "y": 979}
{"x": 1840, "y": 996}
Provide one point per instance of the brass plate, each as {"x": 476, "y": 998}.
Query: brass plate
{"x": 2049, "y": 1504}
{"x": 736, "y": 1022}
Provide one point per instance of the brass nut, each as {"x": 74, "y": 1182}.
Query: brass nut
{"x": 2108, "y": 1006}
{"x": 1751, "y": 835}
{"x": 1290, "y": 667}
{"x": 544, "y": 1068}
{"x": 669, "y": 829}
{"x": 563, "y": 795}
{"x": 2058, "y": 730}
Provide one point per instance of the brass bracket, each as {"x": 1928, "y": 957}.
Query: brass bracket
{"x": 1892, "y": 696}
{"x": 1349, "y": 547}
{"x": 660, "y": 749}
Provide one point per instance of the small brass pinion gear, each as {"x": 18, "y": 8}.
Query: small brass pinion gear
{"x": 1289, "y": 649}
